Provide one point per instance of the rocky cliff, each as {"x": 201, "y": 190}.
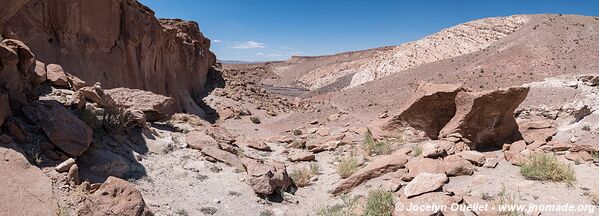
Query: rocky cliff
{"x": 119, "y": 43}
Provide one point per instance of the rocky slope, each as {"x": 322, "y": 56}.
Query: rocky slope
{"x": 368, "y": 65}
{"x": 118, "y": 43}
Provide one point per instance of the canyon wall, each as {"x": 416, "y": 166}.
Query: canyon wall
{"x": 119, "y": 43}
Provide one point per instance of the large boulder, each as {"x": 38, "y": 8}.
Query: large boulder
{"x": 267, "y": 179}
{"x": 156, "y": 107}
{"x": 119, "y": 43}
{"x": 378, "y": 167}
{"x": 64, "y": 129}
{"x": 115, "y": 197}
{"x": 486, "y": 119}
{"x": 429, "y": 109}
{"x": 25, "y": 190}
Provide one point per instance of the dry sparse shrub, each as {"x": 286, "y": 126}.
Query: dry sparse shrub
{"x": 546, "y": 167}
{"x": 416, "y": 150}
{"x": 347, "y": 166}
{"x": 373, "y": 146}
{"x": 379, "y": 202}
{"x": 594, "y": 195}
{"x": 302, "y": 177}
{"x": 347, "y": 208}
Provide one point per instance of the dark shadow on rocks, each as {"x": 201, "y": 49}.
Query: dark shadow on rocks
{"x": 214, "y": 80}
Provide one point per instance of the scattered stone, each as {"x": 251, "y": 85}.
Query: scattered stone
{"x": 327, "y": 146}
{"x": 581, "y": 156}
{"x": 5, "y": 108}
{"x": 425, "y": 182}
{"x": 223, "y": 156}
{"x": 65, "y": 166}
{"x": 73, "y": 175}
{"x": 428, "y": 199}
{"x": 259, "y": 146}
{"x": 491, "y": 163}
{"x": 266, "y": 179}
{"x": 17, "y": 132}
{"x": 433, "y": 149}
{"x": 378, "y": 167}
{"x": 474, "y": 157}
{"x": 415, "y": 166}
{"x": 457, "y": 166}
{"x": 57, "y": 76}
{"x": 114, "y": 197}
{"x": 518, "y": 146}
{"x": 255, "y": 120}
{"x": 302, "y": 156}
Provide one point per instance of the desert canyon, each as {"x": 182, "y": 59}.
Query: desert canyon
{"x": 107, "y": 110}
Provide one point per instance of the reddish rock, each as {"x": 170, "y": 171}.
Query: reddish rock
{"x": 434, "y": 148}
{"x": 302, "y": 156}
{"x": 456, "y": 166}
{"x": 425, "y": 182}
{"x": 518, "y": 146}
{"x": 56, "y": 75}
{"x": 473, "y": 156}
{"x": 267, "y": 179}
{"x": 378, "y": 167}
{"x": 428, "y": 199}
{"x": 259, "y": 146}
{"x": 156, "y": 107}
{"x": 199, "y": 140}
{"x": 39, "y": 72}
{"x": 119, "y": 43}
{"x": 25, "y": 190}
{"x": 536, "y": 130}
{"x": 115, "y": 197}
{"x": 97, "y": 95}
{"x": 486, "y": 118}
{"x": 580, "y": 156}
{"x": 429, "y": 109}
{"x": 64, "y": 129}
{"x": 415, "y": 166}
{"x": 222, "y": 156}
{"x": 221, "y": 134}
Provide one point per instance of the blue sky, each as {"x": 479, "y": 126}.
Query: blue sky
{"x": 259, "y": 30}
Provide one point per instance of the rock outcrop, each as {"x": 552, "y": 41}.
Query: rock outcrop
{"x": 486, "y": 119}
{"x": 118, "y": 43}
{"x": 429, "y": 109}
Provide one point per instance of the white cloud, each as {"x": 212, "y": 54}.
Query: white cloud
{"x": 217, "y": 41}
{"x": 248, "y": 45}
{"x": 259, "y": 53}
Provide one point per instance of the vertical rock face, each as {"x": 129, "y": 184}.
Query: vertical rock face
{"x": 118, "y": 43}
{"x": 8, "y": 8}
